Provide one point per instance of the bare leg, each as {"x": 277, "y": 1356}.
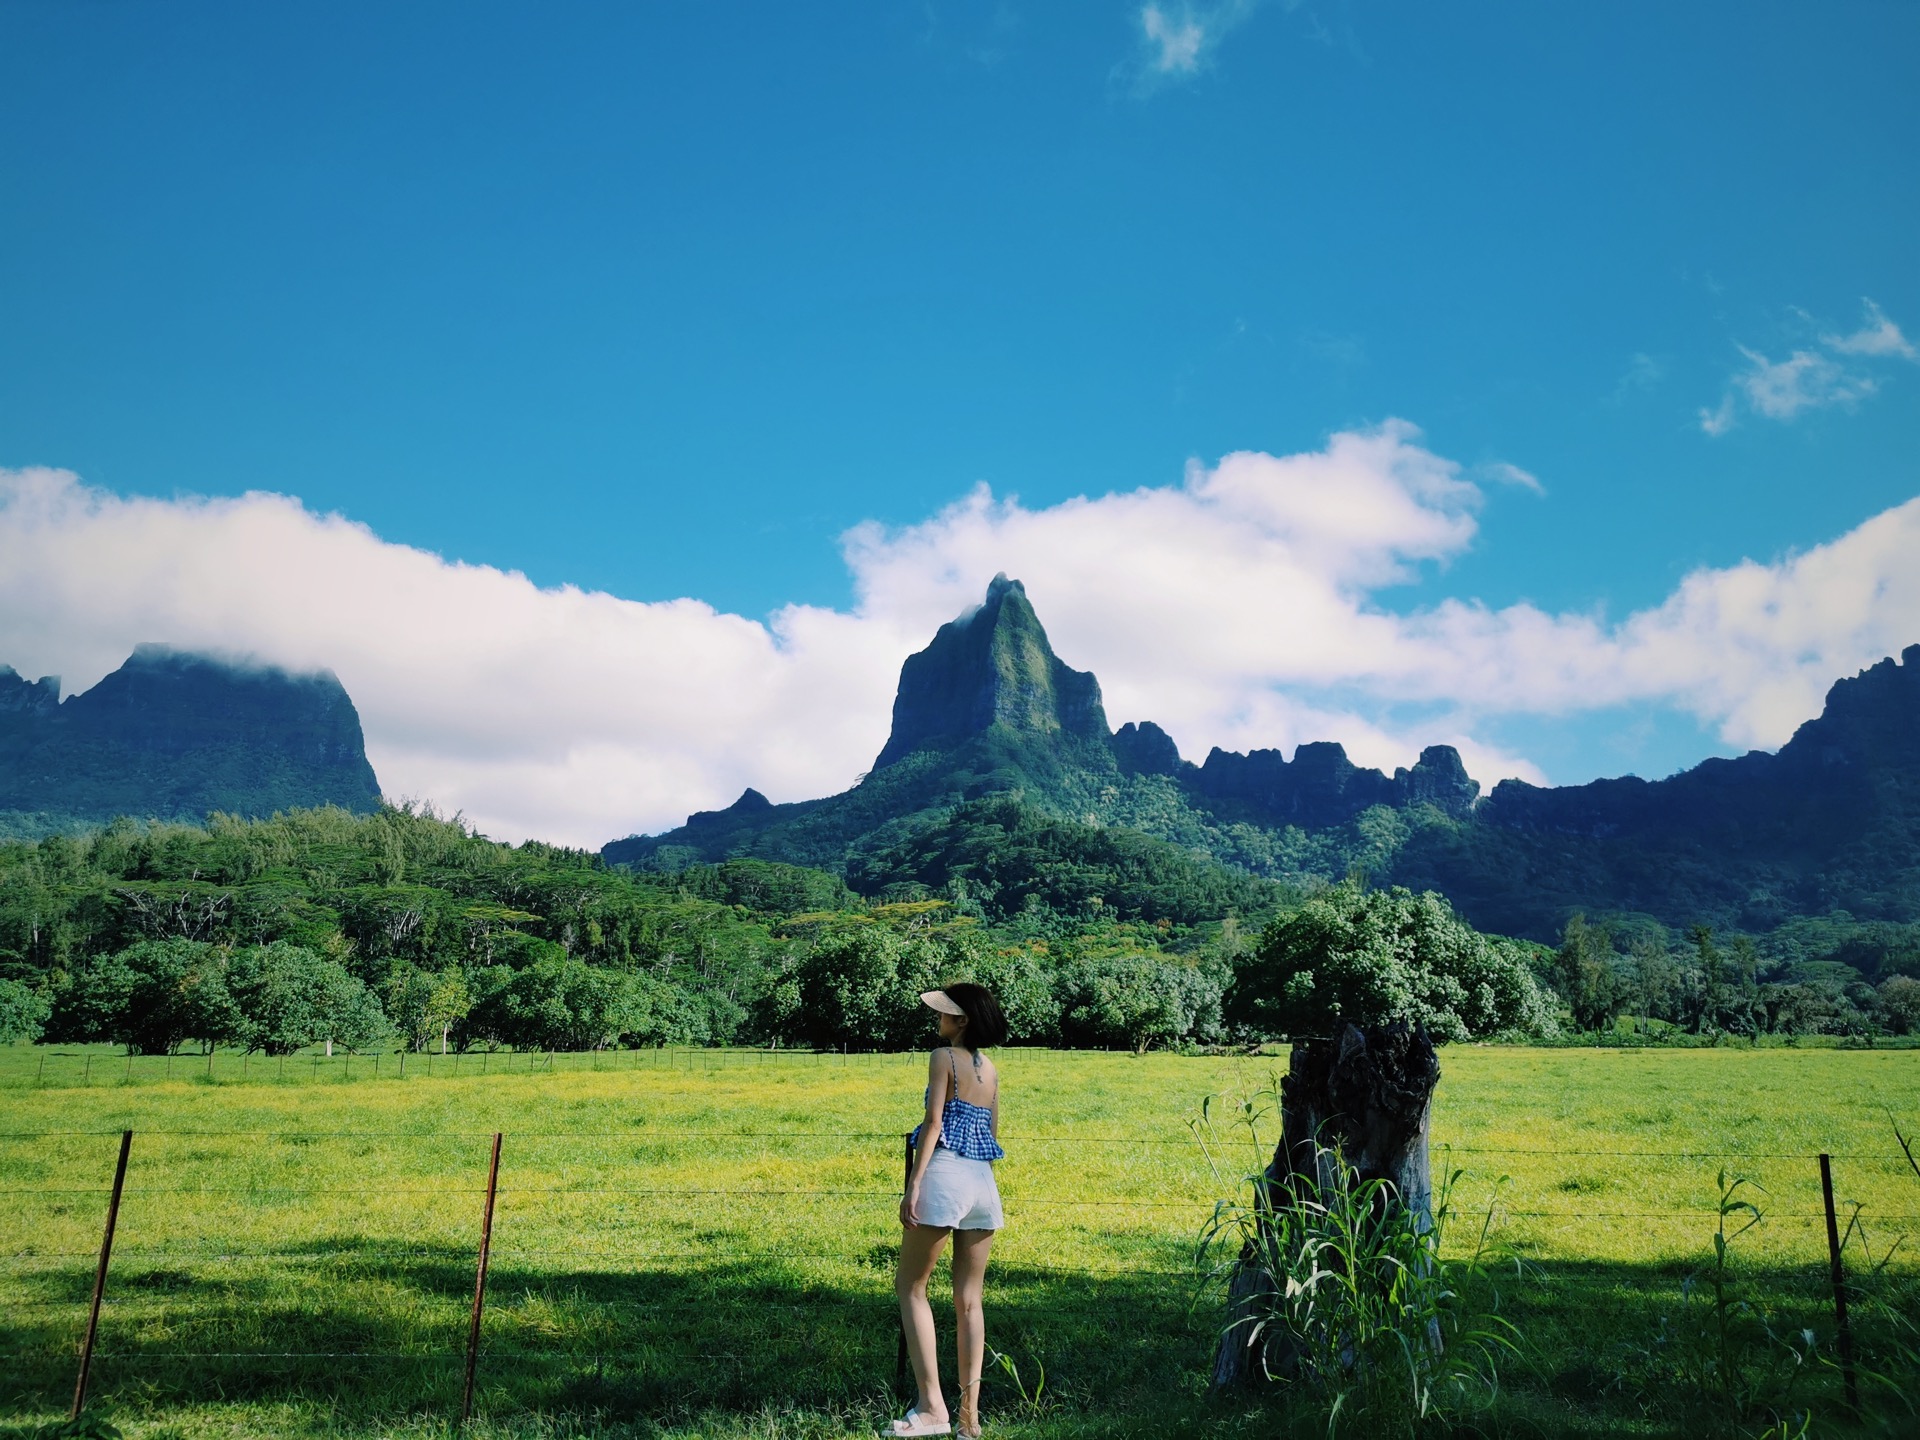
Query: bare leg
{"x": 970, "y": 1249}
{"x": 920, "y": 1247}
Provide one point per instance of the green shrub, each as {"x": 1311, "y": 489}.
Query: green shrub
{"x": 23, "y": 1012}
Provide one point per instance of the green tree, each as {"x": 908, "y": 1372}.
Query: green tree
{"x": 848, "y": 989}
{"x": 1900, "y": 1001}
{"x": 427, "y": 1005}
{"x": 1656, "y": 978}
{"x": 23, "y": 1012}
{"x": 1372, "y": 957}
{"x": 556, "y": 1003}
{"x": 287, "y": 997}
{"x": 1726, "y": 992}
{"x": 1584, "y": 974}
{"x": 152, "y": 998}
{"x": 1140, "y": 1000}
{"x": 1023, "y": 986}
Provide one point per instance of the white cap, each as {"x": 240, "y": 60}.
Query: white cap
{"x": 941, "y": 1001}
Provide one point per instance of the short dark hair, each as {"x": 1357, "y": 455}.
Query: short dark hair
{"x": 985, "y": 1023}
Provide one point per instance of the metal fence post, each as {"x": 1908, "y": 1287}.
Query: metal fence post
{"x": 1839, "y": 1284}
{"x": 480, "y": 1280}
{"x": 100, "y": 1277}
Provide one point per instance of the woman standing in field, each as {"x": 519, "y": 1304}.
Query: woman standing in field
{"x": 951, "y": 1191}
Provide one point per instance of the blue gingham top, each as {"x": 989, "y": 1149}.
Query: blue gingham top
{"x": 965, "y": 1128}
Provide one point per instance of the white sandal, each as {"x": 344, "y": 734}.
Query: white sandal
{"x": 914, "y": 1423}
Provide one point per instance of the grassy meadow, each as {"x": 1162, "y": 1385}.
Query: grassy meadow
{"x": 693, "y": 1242}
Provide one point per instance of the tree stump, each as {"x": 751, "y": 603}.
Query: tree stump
{"x": 1366, "y": 1094}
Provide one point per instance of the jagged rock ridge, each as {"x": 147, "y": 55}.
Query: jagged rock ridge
{"x": 992, "y": 668}
{"x": 988, "y": 707}
{"x": 1831, "y": 822}
{"x": 1859, "y": 756}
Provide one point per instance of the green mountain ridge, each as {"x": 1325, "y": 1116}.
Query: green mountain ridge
{"x": 174, "y": 735}
{"x": 1830, "y": 823}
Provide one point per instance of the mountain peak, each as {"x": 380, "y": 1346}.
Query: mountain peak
{"x": 991, "y": 668}
{"x": 17, "y": 693}
{"x": 178, "y": 733}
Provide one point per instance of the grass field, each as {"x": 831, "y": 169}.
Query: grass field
{"x": 701, "y": 1243}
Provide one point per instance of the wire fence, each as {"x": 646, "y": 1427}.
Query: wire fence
{"x": 87, "y": 1067}
{"x": 586, "y": 1264}
{"x": 52, "y": 1067}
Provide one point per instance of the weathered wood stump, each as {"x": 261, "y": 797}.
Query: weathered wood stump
{"x": 1365, "y": 1095}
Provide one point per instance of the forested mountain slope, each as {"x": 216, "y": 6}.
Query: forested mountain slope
{"x": 173, "y": 735}
{"x": 1829, "y": 824}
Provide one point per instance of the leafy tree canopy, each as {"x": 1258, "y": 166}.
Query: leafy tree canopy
{"x": 1369, "y": 958}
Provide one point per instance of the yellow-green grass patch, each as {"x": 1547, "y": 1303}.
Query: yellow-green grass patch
{"x": 691, "y": 1235}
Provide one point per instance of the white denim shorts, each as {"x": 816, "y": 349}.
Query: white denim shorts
{"x": 959, "y": 1194}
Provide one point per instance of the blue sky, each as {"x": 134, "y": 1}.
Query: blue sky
{"x": 662, "y": 300}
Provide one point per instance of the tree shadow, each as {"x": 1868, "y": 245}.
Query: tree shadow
{"x": 369, "y": 1331}
{"x": 358, "y": 1326}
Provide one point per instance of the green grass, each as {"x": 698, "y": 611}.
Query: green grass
{"x": 701, "y": 1242}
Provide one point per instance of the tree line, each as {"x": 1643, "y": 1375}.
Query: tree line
{"x": 321, "y": 927}
{"x": 1791, "y": 982}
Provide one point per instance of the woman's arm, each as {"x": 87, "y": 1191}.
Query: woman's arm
{"x": 929, "y": 1136}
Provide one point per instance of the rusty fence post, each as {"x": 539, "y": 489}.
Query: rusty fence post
{"x": 480, "y": 1280}
{"x": 1839, "y": 1284}
{"x": 100, "y": 1277}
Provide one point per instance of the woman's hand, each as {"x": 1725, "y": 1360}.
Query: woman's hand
{"x": 910, "y": 1206}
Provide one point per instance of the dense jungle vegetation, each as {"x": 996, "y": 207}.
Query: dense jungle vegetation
{"x": 322, "y": 926}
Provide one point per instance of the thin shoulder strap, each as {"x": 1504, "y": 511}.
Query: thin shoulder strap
{"x": 955, "y": 1064}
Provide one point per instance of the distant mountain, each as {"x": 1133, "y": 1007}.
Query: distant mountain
{"x": 987, "y": 708}
{"x": 991, "y": 670}
{"x": 1831, "y": 822}
{"x": 175, "y": 735}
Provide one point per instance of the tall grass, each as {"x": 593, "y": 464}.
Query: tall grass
{"x": 1357, "y": 1306}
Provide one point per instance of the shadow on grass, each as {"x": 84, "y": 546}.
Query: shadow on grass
{"x": 350, "y": 1323}
{"x": 1611, "y": 1348}
{"x": 351, "y": 1327}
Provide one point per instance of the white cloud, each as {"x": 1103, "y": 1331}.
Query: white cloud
{"x": 1877, "y": 336}
{"x": 1809, "y": 379}
{"x": 1178, "y": 37}
{"x": 1241, "y": 607}
{"x": 1781, "y": 389}
{"x": 561, "y": 713}
{"x": 1175, "y": 43}
{"x": 1718, "y": 420}
{"x": 1232, "y": 608}
{"x": 1513, "y": 475}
